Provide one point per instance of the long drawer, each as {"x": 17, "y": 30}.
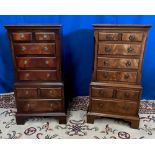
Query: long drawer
{"x": 37, "y": 75}
{"x": 125, "y": 63}
{"x": 114, "y": 107}
{"x": 35, "y": 48}
{"x": 36, "y": 62}
{"x": 116, "y": 76}
{"x": 40, "y": 106}
{"x": 119, "y": 49}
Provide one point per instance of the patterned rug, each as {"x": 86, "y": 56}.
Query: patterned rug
{"x": 76, "y": 128}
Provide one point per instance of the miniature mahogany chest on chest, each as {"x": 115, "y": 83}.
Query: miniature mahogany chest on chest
{"x": 115, "y": 89}
{"x": 39, "y": 90}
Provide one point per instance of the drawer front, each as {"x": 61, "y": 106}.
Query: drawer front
{"x": 51, "y": 93}
{"x": 39, "y": 106}
{"x": 35, "y": 48}
{"x": 102, "y": 92}
{"x": 22, "y": 36}
{"x": 116, "y": 76}
{"x": 109, "y": 36}
{"x": 47, "y": 36}
{"x": 119, "y": 49}
{"x": 37, "y": 75}
{"x": 128, "y": 94}
{"x": 114, "y": 107}
{"x": 133, "y": 37}
{"x": 104, "y": 62}
{"x": 36, "y": 62}
{"x": 26, "y": 92}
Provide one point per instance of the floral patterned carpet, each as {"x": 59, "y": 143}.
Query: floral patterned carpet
{"x": 76, "y": 128}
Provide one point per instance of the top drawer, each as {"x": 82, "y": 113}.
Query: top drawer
{"x": 39, "y": 36}
{"x": 110, "y": 36}
{"x": 47, "y": 36}
{"x": 22, "y": 36}
{"x": 125, "y": 36}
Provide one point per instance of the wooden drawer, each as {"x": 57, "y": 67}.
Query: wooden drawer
{"x": 37, "y": 75}
{"x": 35, "y": 48}
{"x": 121, "y": 36}
{"x": 22, "y": 36}
{"x": 47, "y": 36}
{"x": 39, "y": 106}
{"x": 101, "y": 92}
{"x": 116, "y": 76}
{"x": 26, "y": 92}
{"x": 36, "y": 62}
{"x": 109, "y": 36}
{"x": 114, "y": 107}
{"x": 133, "y": 37}
{"x": 128, "y": 94}
{"x": 119, "y": 49}
{"x": 51, "y": 93}
{"x": 105, "y": 62}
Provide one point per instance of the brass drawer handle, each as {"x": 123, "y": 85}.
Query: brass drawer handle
{"x": 22, "y": 36}
{"x": 126, "y": 94}
{"x": 45, "y": 48}
{"x": 132, "y": 38}
{"x": 51, "y": 92}
{"x": 130, "y": 50}
{"x": 105, "y": 62}
{"x": 126, "y": 76}
{"x": 28, "y": 107}
{"x": 128, "y": 63}
{"x": 27, "y": 75}
{"x": 26, "y": 92}
{"x": 107, "y": 49}
{"x": 25, "y": 62}
{"x": 105, "y": 75}
{"x": 101, "y": 92}
{"x": 23, "y": 48}
{"x": 46, "y": 62}
{"x": 48, "y": 75}
{"x": 45, "y": 36}
{"x": 51, "y": 106}
{"x": 109, "y": 37}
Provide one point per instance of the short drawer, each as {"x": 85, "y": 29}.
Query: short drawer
{"x": 37, "y": 75}
{"x": 105, "y": 36}
{"x": 114, "y": 107}
{"x": 116, "y": 76}
{"x": 47, "y": 36}
{"x": 26, "y": 92}
{"x": 102, "y": 92}
{"x": 133, "y": 37}
{"x": 22, "y": 36}
{"x": 104, "y": 62}
{"x": 35, "y": 48}
{"x": 128, "y": 94}
{"x": 119, "y": 49}
{"x": 36, "y": 62}
{"x": 40, "y": 106}
{"x": 51, "y": 93}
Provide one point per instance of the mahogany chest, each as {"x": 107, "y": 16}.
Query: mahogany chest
{"x": 39, "y": 89}
{"x": 115, "y": 88}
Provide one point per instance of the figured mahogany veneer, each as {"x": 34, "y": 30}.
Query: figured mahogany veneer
{"x": 39, "y": 89}
{"x": 115, "y": 89}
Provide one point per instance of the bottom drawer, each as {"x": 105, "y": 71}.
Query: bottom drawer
{"x": 114, "y": 107}
{"x": 40, "y": 106}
